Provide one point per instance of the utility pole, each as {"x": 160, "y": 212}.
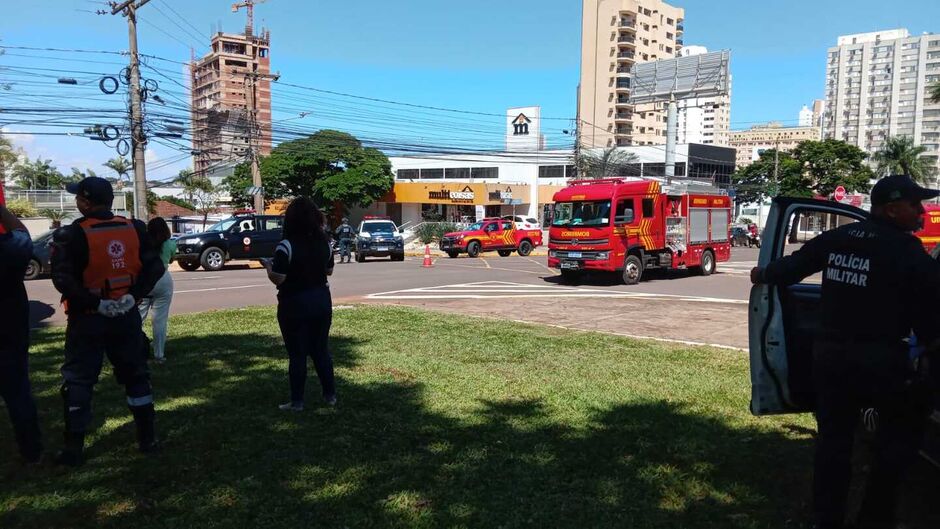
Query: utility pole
{"x": 776, "y": 167}
{"x": 138, "y": 140}
{"x": 251, "y": 82}
{"x": 672, "y": 117}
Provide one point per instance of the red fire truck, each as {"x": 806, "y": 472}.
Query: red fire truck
{"x": 486, "y": 235}
{"x": 930, "y": 233}
{"x": 631, "y": 225}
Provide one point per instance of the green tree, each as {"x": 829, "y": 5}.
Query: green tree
{"x": 8, "y": 155}
{"x": 606, "y": 163}
{"x": 899, "y": 155}
{"x": 78, "y": 174}
{"x": 151, "y": 202}
{"x": 756, "y": 182}
{"x": 329, "y": 166}
{"x": 39, "y": 174}
{"x": 827, "y": 164}
{"x": 192, "y": 184}
{"x": 54, "y": 215}
{"x": 121, "y": 167}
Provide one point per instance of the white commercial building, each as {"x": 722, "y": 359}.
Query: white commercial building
{"x": 520, "y": 180}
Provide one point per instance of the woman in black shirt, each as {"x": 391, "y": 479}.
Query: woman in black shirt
{"x": 301, "y": 264}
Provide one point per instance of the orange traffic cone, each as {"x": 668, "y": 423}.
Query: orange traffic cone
{"x": 427, "y": 257}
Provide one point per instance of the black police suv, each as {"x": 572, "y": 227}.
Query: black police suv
{"x": 241, "y": 236}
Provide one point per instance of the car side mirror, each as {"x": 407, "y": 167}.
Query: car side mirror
{"x": 401, "y": 230}
{"x": 626, "y": 218}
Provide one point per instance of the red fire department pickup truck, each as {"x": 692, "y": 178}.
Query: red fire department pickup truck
{"x": 631, "y": 225}
{"x": 488, "y": 235}
{"x": 930, "y": 233}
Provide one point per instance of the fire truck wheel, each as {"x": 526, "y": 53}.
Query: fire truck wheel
{"x": 504, "y": 253}
{"x": 525, "y": 248}
{"x": 708, "y": 264}
{"x": 452, "y": 255}
{"x": 632, "y": 270}
{"x": 473, "y": 249}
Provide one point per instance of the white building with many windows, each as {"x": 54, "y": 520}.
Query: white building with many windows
{"x": 877, "y": 88}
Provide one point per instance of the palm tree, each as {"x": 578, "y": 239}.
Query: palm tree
{"x": 121, "y": 166}
{"x": 8, "y": 155}
{"x": 899, "y": 155}
{"x": 608, "y": 162}
{"x": 192, "y": 184}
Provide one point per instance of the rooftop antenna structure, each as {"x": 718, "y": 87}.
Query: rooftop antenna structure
{"x": 249, "y": 5}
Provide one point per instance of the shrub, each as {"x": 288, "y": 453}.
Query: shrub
{"x": 22, "y": 208}
{"x": 429, "y": 232}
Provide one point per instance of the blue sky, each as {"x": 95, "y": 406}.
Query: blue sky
{"x": 482, "y": 56}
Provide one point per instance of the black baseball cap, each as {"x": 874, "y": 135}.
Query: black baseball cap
{"x": 899, "y": 187}
{"x": 97, "y": 190}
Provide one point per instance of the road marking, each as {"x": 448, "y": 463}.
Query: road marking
{"x": 543, "y": 265}
{"x": 503, "y": 290}
{"x": 214, "y": 289}
{"x": 493, "y": 268}
{"x": 197, "y": 278}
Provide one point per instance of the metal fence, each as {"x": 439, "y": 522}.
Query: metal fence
{"x": 57, "y": 199}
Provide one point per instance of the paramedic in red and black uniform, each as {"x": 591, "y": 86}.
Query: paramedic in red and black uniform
{"x": 103, "y": 265}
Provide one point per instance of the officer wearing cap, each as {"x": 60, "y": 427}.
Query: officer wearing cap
{"x": 345, "y": 233}
{"x": 15, "y": 251}
{"x": 103, "y": 265}
{"x": 878, "y": 285}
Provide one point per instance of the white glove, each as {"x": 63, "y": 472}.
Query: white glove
{"x": 123, "y": 304}
{"x": 106, "y": 307}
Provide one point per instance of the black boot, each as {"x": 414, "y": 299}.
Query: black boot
{"x": 72, "y": 454}
{"x": 146, "y": 431}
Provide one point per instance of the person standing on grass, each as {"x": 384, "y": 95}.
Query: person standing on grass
{"x": 103, "y": 265}
{"x": 878, "y": 285}
{"x": 301, "y": 264}
{"x": 15, "y": 250}
{"x": 162, "y": 294}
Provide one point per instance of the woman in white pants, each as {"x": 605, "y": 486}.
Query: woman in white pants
{"x": 162, "y": 293}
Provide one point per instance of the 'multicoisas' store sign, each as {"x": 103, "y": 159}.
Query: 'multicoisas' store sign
{"x": 455, "y": 193}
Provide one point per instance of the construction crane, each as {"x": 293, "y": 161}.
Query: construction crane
{"x": 250, "y": 5}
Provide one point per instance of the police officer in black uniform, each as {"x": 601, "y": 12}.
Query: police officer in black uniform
{"x": 345, "y": 233}
{"x": 878, "y": 285}
{"x": 103, "y": 265}
{"x": 15, "y": 250}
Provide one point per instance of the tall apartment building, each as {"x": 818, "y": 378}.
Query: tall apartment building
{"x": 220, "y": 99}
{"x": 750, "y": 143}
{"x": 615, "y": 34}
{"x": 704, "y": 120}
{"x": 876, "y": 88}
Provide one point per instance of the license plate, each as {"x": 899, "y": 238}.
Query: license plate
{"x": 574, "y": 255}
{"x": 381, "y": 249}
{"x": 569, "y": 265}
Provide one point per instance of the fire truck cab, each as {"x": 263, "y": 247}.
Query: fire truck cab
{"x": 930, "y": 233}
{"x": 630, "y": 225}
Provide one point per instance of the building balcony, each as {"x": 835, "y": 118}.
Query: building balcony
{"x": 627, "y": 23}
{"x": 680, "y": 27}
{"x": 626, "y": 55}
{"x": 626, "y": 39}
{"x": 623, "y": 116}
{"x": 623, "y": 101}
{"x": 679, "y": 42}
{"x": 623, "y": 130}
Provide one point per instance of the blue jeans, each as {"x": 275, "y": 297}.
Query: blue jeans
{"x": 305, "y": 318}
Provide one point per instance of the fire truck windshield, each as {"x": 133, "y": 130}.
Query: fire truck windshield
{"x": 582, "y": 213}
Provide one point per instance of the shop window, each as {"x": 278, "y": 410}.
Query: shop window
{"x": 408, "y": 174}
{"x": 432, "y": 173}
{"x": 457, "y": 172}
{"x": 485, "y": 172}
{"x": 551, "y": 171}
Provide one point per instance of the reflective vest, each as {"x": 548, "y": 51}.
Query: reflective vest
{"x": 113, "y": 256}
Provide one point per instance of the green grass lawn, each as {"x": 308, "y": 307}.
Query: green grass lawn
{"x": 442, "y": 422}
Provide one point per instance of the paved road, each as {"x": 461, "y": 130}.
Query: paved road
{"x": 665, "y": 305}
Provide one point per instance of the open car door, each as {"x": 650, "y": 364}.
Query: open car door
{"x": 784, "y": 321}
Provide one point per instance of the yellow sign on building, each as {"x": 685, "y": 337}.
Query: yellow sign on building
{"x": 456, "y": 193}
